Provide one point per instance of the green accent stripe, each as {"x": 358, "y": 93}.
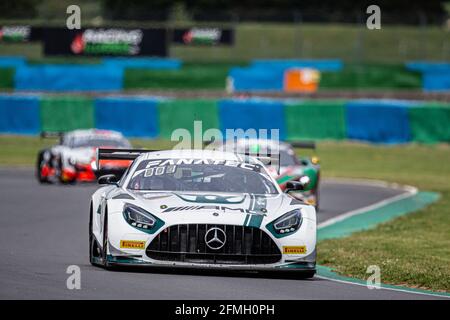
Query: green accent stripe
{"x": 255, "y": 220}
{"x": 371, "y": 218}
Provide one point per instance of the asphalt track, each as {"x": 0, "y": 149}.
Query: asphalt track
{"x": 44, "y": 229}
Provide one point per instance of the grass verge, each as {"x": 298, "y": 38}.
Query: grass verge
{"x": 412, "y": 250}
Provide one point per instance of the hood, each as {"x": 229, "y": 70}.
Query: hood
{"x": 207, "y": 208}
{"x": 223, "y": 202}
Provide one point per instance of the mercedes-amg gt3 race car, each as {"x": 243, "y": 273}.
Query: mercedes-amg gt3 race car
{"x": 199, "y": 208}
{"x": 74, "y": 157}
{"x": 290, "y": 167}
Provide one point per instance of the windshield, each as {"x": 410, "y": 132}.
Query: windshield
{"x": 287, "y": 158}
{"x": 201, "y": 175}
{"x": 99, "y": 142}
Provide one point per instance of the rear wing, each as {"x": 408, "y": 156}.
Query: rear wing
{"x": 119, "y": 154}
{"x": 303, "y": 144}
{"x": 52, "y": 134}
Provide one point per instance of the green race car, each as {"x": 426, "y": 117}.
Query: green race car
{"x": 289, "y": 168}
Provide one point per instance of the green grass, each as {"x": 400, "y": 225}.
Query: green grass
{"x": 413, "y": 250}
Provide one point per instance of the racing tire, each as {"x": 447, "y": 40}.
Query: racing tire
{"x": 60, "y": 170}
{"x": 105, "y": 263}
{"x": 40, "y": 158}
{"x": 93, "y": 245}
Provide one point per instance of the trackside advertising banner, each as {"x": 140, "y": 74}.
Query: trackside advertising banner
{"x": 203, "y": 36}
{"x": 19, "y": 33}
{"x": 105, "y": 42}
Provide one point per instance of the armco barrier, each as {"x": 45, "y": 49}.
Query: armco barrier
{"x": 19, "y": 114}
{"x": 315, "y": 119}
{"x": 133, "y": 116}
{"x": 174, "y": 114}
{"x": 378, "y": 121}
{"x": 68, "y": 78}
{"x": 66, "y": 113}
{"x": 430, "y": 122}
{"x": 252, "y": 114}
{"x": 143, "y": 63}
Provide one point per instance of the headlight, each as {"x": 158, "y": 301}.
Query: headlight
{"x": 288, "y": 222}
{"x": 138, "y": 217}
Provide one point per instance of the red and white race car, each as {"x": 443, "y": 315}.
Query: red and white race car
{"x": 74, "y": 158}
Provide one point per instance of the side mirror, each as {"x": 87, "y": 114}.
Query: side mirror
{"x": 108, "y": 179}
{"x": 299, "y": 185}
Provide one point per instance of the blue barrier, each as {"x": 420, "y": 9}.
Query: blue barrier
{"x": 435, "y": 75}
{"x": 256, "y": 79}
{"x": 11, "y": 62}
{"x": 68, "y": 78}
{"x": 134, "y": 117}
{"x": 283, "y": 64}
{"x": 19, "y": 114}
{"x": 143, "y": 63}
{"x": 380, "y": 121}
{"x": 252, "y": 114}
{"x": 422, "y": 66}
{"x": 436, "y": 80}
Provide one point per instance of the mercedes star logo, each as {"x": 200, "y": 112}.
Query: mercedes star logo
{"x": 215, "y": 238}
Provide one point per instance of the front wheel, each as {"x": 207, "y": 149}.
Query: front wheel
{"x": 40, "y": 168}
{"x": 94, "y": 249}
{"x": 105, "y": 242}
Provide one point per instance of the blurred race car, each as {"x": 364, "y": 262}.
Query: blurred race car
{"x": 73, "y": 159}
{"x": 290, "y": 167}
{"x": 199, "y": 209}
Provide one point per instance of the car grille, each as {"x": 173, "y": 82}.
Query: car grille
{"x": 186, "y": 243}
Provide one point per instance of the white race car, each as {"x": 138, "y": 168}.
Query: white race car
{"x": 199, "y": 208}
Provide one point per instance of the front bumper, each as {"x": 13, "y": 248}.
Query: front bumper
{"x": 130, "y": 261}
{"x": 119, "y": 256}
